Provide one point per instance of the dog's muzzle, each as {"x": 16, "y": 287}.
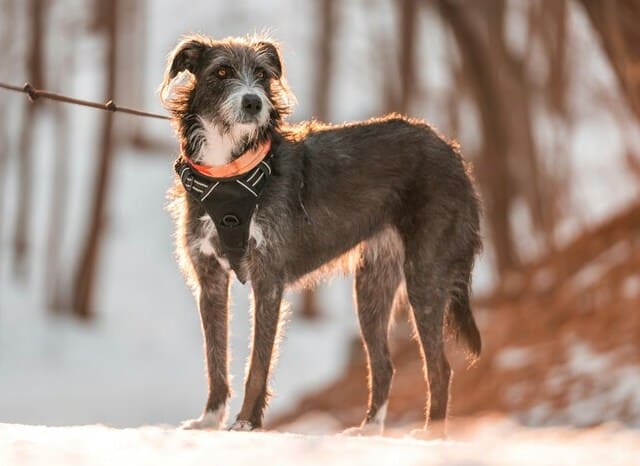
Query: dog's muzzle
{"x": 251, "y": 104}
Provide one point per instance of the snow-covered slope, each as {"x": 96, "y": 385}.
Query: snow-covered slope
{"x": 493, "y": 444}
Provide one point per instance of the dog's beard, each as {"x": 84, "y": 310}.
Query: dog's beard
{"x": 216, "y": 143}
{"x": 238, "y": 130}
{"x": 231, "y": 113}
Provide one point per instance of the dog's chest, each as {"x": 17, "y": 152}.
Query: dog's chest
{"x": 206, "y": 242}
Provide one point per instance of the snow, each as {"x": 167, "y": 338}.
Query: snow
{"x": 597, "y": 268}
{"x": 141, "y": 361}
{"x": 631, "y": 286}
{"x": 599, "y": 387}
{"x": 544, "y": 279}
{"x": 494, "y": 443}
{"x": 514, "y": 358}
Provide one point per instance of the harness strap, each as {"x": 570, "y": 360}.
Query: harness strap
{"x": 230, "y": 203}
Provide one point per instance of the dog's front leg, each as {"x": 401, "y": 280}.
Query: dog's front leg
{"x": 267, "y": 296}
{"x": 213, "y": 299}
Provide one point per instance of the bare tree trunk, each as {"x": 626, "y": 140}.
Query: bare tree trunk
{"x": 56, "y": 292}
{"x": 86, "y": 271}
{"x": 408, "y": 32}
{"x": 616, "y": 23}
{"x": 381, "y": 54}
{"x": 7, "y": 32}
{"x": 56, "y": 295}
{"x": 6, "y": 37}
{"x": 509, "y": 164}
{"x": 397, "y": 94}
{"x": 325, "y": 62}
{"x": 554, "y": 16}
{"x": 321, "y": 100}
{"x": 137, "y": 134}
{"x": 512, "y": 81}
{"x": 36, "y": 13}
{"x": 131, "y": 85}
{"x": 493, "y": 169}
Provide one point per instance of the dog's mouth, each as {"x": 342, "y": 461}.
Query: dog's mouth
{"x": 240, "y": 120}
{"x": 244, "y": 134}
{"x": 249, "y": 120}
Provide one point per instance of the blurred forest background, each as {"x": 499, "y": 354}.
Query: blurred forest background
{"x": 544, "y": 97}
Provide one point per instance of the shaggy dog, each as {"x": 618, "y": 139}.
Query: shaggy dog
{"x": 389, "y": 199}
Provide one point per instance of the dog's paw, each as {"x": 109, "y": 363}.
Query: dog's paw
{"x": 211, "y": 420}
{"x": 241, "y": 426}
{"x": 198, "y": 424}
{"x": 364, "y": 430}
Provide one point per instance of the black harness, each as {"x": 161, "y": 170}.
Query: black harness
{"x": 230, "y": 202}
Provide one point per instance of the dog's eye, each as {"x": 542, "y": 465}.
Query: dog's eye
{"x": 260, "y": 73}
{"x": 223, "y": 72}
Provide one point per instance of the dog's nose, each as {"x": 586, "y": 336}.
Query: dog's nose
{"x": 251, "y": 104}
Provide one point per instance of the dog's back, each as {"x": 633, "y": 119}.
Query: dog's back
{"x": 344, "y": 184}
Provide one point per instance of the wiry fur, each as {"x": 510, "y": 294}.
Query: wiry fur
{"x": 387, "y": 199}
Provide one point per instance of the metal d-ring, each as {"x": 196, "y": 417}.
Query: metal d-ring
{"x": 230, "y": 221}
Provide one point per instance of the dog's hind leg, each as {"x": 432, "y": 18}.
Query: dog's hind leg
{"x": 428, "y": 293}
{"x": 377, "y": 278}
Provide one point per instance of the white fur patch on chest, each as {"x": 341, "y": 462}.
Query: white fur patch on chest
{"x": 215, "y": 147}
{"x": 204, "y": 244}
{"x": 255, "y": 232}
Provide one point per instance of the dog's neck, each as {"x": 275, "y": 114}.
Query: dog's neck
{"x": 238, "y": 166}
{"x": 212, "y": 146}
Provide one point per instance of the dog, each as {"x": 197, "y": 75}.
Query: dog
{"x": 388, "y": 199}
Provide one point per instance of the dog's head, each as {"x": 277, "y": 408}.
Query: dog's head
{"x": 234, "y": 88}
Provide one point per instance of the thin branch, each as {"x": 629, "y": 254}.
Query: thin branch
{"x": 109, "y": 106}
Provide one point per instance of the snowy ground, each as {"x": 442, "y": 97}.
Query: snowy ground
{"x": 494, "y": 443}
{"x": 141, "y": 360}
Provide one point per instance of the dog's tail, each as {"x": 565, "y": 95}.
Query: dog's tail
{"x": 460, "y": 319}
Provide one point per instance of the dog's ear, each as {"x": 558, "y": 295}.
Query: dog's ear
{"x": 183, "y": 65}
{"x": 187, "y": 56}
{"x": 271, "y": 54}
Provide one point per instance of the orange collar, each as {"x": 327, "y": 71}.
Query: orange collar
{"x": 239, "y": 166}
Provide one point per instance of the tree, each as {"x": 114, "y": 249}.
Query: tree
{"x": 492, "y": 168}
{"x": 408, "y": 39}
{"x": 321, "y": 100}
{"x": 87, "y": 268}
{"x": 508, "y": 163}
{"x": 56, "y": 292}
{"x": 7, "y": 23}
{"x": 616, "y": 23}
{"x": 35, "y": 73}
